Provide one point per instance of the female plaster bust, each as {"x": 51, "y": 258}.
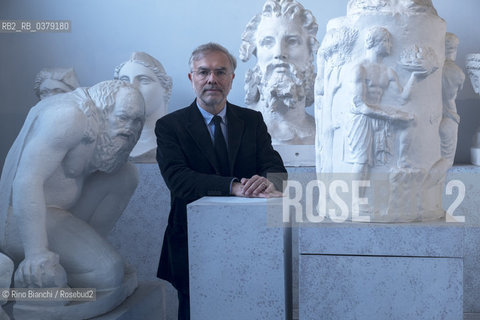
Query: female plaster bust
{"x": 148, "y": 75}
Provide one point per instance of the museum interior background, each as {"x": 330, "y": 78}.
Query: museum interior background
{"x": 105, "y": 33}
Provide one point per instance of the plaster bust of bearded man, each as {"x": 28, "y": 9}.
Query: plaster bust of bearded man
{"x": 282, "y": 37}
{"x": 65, "y": 182}
{"x": 51, "y": 81}
{"x": 148, "y": 75}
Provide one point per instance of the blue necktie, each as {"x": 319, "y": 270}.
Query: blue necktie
{"x": 220, "y": 148}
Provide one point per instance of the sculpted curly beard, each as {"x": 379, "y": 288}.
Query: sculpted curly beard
{"x": 112, "y": 150}
{"x": 279, "y": 90}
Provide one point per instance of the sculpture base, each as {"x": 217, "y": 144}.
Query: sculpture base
{"x": 143, "y": 304}
{"x": 236, "y": 260}
{"x": 475, "y": 156}
{"x": 374, "y": 271}
{"x": 80, "y": 310}
{"x": 297, "y": 155}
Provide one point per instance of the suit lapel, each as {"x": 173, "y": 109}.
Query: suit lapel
{"x": 235, "y": 128}
{"x": 198, "y": 130}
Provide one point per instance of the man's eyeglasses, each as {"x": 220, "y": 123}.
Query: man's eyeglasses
{"x": 220, "y": 74}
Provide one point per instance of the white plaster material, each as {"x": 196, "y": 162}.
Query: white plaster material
{"x": 148, "y": 75}
{"x": 299, "y": 155}
{"x": 104, "y": 302}
{"x": 65, "y": 182}
{"x": 378, "y": 105}
{"x": 236, "y": 260}
{"x": 381, "y": 271}
{"x": 282, "y": 38}
{"x": 452, "y": 82}
{"x": 143, "y": 304}
{"x": 6, "y": 272}
{"x": 472, "y": 65}
{"x": 51, "y": 81}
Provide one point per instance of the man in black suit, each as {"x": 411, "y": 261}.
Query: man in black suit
{"x": 211, "y": 148}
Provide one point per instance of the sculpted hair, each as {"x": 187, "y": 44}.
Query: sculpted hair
{"x": 153, "y": 64}
{"x": 279, "y": 8}
{"x": 374, "y": 35}
{"x": 451, "y": 41}
{"x": 67, "y": 76}
{"x": 203, "y": 49}
{"x": 103, "y": 94}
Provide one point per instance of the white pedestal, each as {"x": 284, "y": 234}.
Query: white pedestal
{"x": 297, "y": 155}
{"x": 381, "y": 271}
{"x": 236, "y": 260}
{"x": 475, "y": 156}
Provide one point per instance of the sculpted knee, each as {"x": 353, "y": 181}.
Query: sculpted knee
{"x": 109, "y": 271}
{"x": 105, "y": 271}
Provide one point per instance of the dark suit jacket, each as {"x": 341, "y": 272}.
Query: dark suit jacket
{"x": 187, "y": 161}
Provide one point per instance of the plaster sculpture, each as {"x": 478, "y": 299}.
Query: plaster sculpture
{"x": 148, "y": 75}
{"x": 452, "y": 81}
{"x": 6, "y": 272}
{"x": 282, "y": 38}
{"x": 65, "y": 182}
{"x": 473, "y": 68}
{"x": 378, "y": 107}
{"x": 51, "y": 81}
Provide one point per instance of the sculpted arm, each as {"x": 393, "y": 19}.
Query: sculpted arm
{"x": 50, "y": 138}
{"x": 361, "y": 106}
{"x": 404, "y": 91}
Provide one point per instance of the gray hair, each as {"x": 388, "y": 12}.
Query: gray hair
{"x": 203, "y": 49}
{"x": 286, "y": 8}
{"x": 153, "y": 64}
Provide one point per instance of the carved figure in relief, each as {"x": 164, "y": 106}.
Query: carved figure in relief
{"x": 51, "y": 81}
{"x": 148, "y": 75}
{"x": 472, "y": 65}
{"x": 368, "y": 132}
{"x": 65, "y": 182}
{"x": 282, "y": 37}
{"x": 332, "y": 55}
{"x": 396, "y": 6}
{"x": 452, "y": 81}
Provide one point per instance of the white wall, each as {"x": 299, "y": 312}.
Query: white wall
{"x": 105, "y": 32}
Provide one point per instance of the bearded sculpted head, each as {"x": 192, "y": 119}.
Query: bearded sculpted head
{"x": 282, "y": 38}
{"x": 121, "y": 117}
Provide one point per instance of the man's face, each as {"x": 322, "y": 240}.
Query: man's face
{"x": 281, "y": 41}
{"x": 212, "y": 90}
{"x": 147, "y": 83}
